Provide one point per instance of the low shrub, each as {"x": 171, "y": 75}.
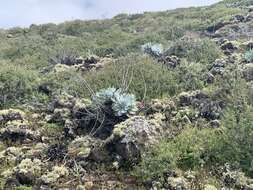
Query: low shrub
{"x": 201, "y": 50}
{"x": 17, "y": 84}
{"x": 69, "y": 81}
{"x": 139, "y": 75}
{"x": 188, "y": 150}
{"x": 195, "y": 149}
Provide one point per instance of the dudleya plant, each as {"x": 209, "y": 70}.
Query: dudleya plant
{"x": 152, "y": 49}
{"x": 104, "y": 96}
{"x": 122, "y": 103}
{"x": 249, "y": 56}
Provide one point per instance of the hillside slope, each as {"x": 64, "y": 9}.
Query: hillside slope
{"x": 159, "y": 100}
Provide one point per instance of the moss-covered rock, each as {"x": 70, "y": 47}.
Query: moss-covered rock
{"x": 25, "y": 173}
{"x": 132, "y": 136}
{"x": 56, "y": 173}
{"x": 18, "y": 130}
{"x": 177, "y": 183}
{"x": 11, "y": 155}
{"x": 161, "y": 105}
{"x": 248, "y": 72}
{"x": 81, "y": 147}
{"x": 11, "y": 115}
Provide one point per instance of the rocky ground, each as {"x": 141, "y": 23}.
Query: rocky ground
{"x": 37, "y": 154}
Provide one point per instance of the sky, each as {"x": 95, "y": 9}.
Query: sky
{"x": 23, "y": 13}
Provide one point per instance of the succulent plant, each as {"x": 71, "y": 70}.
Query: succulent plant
{"x": 249, "y": 56}
{"x": 154, "y": 50}
{"x": 122, "y": 103}
{"x": 104, "y": 96}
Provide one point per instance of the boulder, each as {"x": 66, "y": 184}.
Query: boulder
{"x": 200, "y": 101}
{"x": 248, "y": 72}
{"x": 249, "y": 17}
{"x": 64, "y": 101}
{"x": 11, "y": 155}
{"x": 18, "y": 131}
{"x": 37, "y": 151}
{"x": 53, "y": 176}
{"x": 93, "y": 63}
{"x": 131, "y": 137}
{"x": 93, "y": 59}
{"x": 229, "y": 47}
{"x": 218, "y": 67}
{"x": 191, "y": 98}
{"x": 10, "y": 36}
{"x": 237, "y": 18}
{"x": 28, "y": 171}
{"x": 58, "y": 68}
{"x": 177, "y": 183}
{"x": 11, "y": 115}
{"x": 60, "y": 115}
{"x": 82, "y": 147}
{"x": 56, "y": 151}
{"x": 184, "y": 99}
{"x": 237, "y": 179}
{"x": 170, "y": 61}
{"x": 209, "y": 78}
{"x": 160, "y": 106}
{"x": 215, "y": 123}
{"x": 210, "y": 110}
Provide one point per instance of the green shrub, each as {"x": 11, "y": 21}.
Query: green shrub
{"x": 200, "y": 50}
{"x": 17, "y": 84}
{"x": 190, "y": 76}
{"x": 69, "y": 81}
{"x": 189, "y": 150}
{"x": 237, "y": 145}
{"x": 138, "y": 75}
{"x": 195, "y": 149}
{"x": 249, "y": 56}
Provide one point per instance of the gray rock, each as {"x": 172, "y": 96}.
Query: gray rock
{"x": 248, "y": 72}
{"x": 82, "y": 147}
{"x": 237, "y": 18}
{"x": 18, "y": 131}
{"x": 215, "y": 123}
{"x": 228, "y": 47}
{"x": 57, "y": 173}
{"x": 177, "y": 183}
{"x": 28, "y": 170}
{"x": 170, "y": 61}
{"x": 131, "y": 137}
{"x": 11, "y": 115}
{"x": 209, "y": 78}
